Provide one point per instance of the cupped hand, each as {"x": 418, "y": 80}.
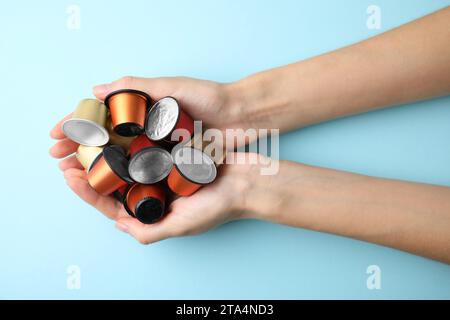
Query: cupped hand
{"x": 212, "y": 205}
{"x": 211, "y": 102}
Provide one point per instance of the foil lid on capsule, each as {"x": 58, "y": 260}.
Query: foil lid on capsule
{"x": 128, "y": 109}
{"x": 164, "y": 117}
{"x": 150, "y": 165}
{"x": 87, "y": 124}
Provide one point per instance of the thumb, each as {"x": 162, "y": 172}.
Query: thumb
{"x": 142, "y": 84}
{"x": 157, "y": 88}
{"x": 144, "y": 233}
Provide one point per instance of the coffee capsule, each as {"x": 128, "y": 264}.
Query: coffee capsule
{"x": 192, "y": 169}
{"x": 145, "y": 202}
{"x": 110, "y": 172}
{"x": 115, "y": 139}
{"x": 97, "y": 158}
{"x": 87, "y": 124}
{"x": 128, "y": 108}
{"x": 139, "y": 143}
{"x": 164, "y": 117}
{"x": 120, "y": 193}
{"x": 87, "y": 155}
{"x": 149, "y": 163}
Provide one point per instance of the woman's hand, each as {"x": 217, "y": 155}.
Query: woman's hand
{"x": 408, "y": 216}
{"x": 210, "y": 206}
{"x": 211, "y": 102}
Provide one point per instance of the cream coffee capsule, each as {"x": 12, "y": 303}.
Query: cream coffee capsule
{"x": 87, "y": 125}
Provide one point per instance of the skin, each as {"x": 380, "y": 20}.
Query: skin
{"x": 406, "y": 64}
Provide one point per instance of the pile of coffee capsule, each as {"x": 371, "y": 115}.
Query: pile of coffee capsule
{"x": 127, "y": 150}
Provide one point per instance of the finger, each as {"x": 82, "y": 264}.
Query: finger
{"x": 70, "y": 162}
{"x": 63, "y": 148}
{"x": 75, "y": 173}
{"x": 56, "y": 132}
{"x": 76, "y": 179}
{"x": 157, "y": 88}
{"x": 144, "y": 233}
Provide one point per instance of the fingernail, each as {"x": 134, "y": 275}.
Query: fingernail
{"x": 100, "y": 89}
{"x": 122, "y": 227}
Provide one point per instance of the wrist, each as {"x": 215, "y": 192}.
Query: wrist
{"x": 253, "y": 102}
{"x": 236, "y": 100}
{"x": 258, "y": 196}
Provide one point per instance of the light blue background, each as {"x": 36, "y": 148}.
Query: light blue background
{"x": 46, "y": 68}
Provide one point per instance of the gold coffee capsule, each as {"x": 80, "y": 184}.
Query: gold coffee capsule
{"x": 87, "y": 155}
{"x": 87, "y": 125}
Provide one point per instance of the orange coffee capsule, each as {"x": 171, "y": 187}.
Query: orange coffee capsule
{"x": 192, "y": 169}
{"x": 145, "y": 202}
{"x": 110, "y": 171}
{"x": 128, "y": 109}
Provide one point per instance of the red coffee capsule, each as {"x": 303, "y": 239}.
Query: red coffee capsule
{"x": 139, "y": 143}
{"x": 145, "y": 202}
{"x": 110, "y": 171}
{"x": 164, "y": 117}
{"x": 128, "y": 108}
{"x": 192, "y": 169}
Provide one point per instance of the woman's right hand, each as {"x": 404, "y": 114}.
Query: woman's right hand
{"x": 215, "y": 104}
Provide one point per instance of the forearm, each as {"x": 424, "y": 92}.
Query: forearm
{"x": 408, "y": 216}
{"x": 406, "y": 64}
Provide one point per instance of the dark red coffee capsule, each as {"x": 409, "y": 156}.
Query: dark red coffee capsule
{"x": 110, "y": 171}
{"x": 128, "y": 108}
{"x": 145, "y": 202}
{"x": 164, "y": 117}
{"x": 139, "y": 143}
{"x": 192, "y": 169}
